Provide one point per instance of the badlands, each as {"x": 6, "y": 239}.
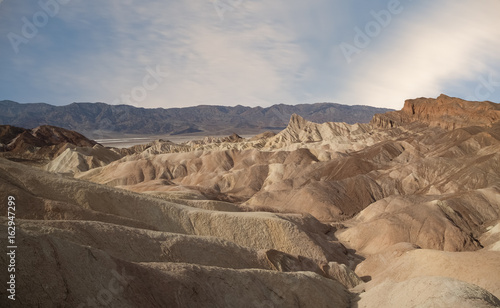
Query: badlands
{"x": 403, "y": 211}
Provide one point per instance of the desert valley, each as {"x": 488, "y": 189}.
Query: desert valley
{"x": 400, "y": 211}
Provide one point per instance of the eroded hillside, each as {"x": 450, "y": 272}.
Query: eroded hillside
{"x": 318, "y": 215}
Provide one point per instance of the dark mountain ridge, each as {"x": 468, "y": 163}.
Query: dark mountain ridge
{"x": 94, "y": 119}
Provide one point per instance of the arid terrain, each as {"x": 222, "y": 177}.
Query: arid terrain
{"x": 403, "y": 211}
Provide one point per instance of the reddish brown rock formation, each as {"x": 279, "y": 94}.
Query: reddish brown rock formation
{"x": 445, "y": 112}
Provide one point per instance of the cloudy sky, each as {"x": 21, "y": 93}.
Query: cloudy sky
{"x": 169, "y": 53}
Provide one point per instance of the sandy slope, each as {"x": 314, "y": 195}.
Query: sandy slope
{"x": 70, "y": 228}
{"x": 410, "y": 204}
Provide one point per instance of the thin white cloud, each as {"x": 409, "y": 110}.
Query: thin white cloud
{"x": 451, "y": 41}
{"x": 245, "y": 58}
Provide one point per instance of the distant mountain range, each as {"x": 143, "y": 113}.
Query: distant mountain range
{"x": 98, "y": 120}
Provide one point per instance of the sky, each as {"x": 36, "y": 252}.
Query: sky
{"x": 181, "y": 53}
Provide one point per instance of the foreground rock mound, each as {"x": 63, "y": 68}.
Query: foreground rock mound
{"x": 62, "y": 273}
{"x": 72, "y": 235}
{"x": 427, "y": 292}
{"x": 405, "y": 261}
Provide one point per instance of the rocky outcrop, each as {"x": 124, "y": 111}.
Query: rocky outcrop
{"x": 264, "y": 135}
{"x": 79, "y": 159}
{"x": 300, "y": 130}
{"x": 8, "y": 133}
{"x": 52, "y": 135}
{"x": 42, "y": 142}
{"x": 445, "y": 112}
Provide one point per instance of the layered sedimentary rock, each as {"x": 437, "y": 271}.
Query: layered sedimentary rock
{"x": 41, "y": 143}
{"x": 401, "y": 212}
{"x": 445, "y": 112}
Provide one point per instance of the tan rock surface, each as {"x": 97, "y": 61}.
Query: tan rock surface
{"x": 405, "y": 261}
{"x": 184, "y": 219}
{"x": 427, "y": 292}
{"x": 448, "y": 223}
{"x": 61, "y": 273}
{"x": 79, "y": 159}
{"x": 73, "y": 199}
{"x": 491, "y": 238}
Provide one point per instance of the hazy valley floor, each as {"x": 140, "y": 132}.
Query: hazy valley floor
{"x": 120, "y": 141}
